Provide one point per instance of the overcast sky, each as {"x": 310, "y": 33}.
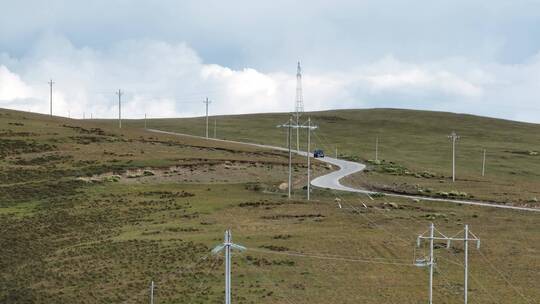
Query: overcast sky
{"x": 479, "y": 57}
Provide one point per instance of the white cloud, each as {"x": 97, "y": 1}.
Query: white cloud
{"x": 11, "y": 86}
{"x": 164, "y": 79}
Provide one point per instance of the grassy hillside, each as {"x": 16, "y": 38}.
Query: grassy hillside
{"x": 92, "y": 214}
{"x": 413, "y": 147}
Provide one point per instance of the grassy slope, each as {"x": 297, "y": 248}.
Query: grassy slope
{"x": 415, "y": 141}
{"x": 63, "y": 240}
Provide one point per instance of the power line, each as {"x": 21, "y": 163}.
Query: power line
{"x": 504, "y": 278}
{"x": 333, "y": 258}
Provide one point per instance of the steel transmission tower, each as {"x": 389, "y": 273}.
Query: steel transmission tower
{"x": 299, "y": 108}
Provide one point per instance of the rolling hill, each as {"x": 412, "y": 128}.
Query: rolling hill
{"x": 414, "y": 149}
{"x": 92, "y": 214}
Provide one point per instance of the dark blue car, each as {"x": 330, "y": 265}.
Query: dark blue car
{"x": 318, "y": 153}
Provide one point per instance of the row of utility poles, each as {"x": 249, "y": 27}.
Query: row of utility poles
{"x": 430, "y": 236}
{"x": 119, "y": 93}
{"x": 453, "y": 137}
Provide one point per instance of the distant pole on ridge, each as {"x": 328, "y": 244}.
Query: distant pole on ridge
{"x": 145, "y": 120}
{"x": 50, "y": 95}
{"x": 207, "y": 102}
{"x": 454, "y": 137}
{"x": 119, "y": 93}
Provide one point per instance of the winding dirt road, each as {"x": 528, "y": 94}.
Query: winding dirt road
{"x": 346, "y": 168}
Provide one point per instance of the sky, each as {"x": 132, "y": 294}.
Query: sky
{"x": 477, "y": 57}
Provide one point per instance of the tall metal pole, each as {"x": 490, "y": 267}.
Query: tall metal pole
{"x": 207, "y": 102}
{"x": 227, "y": 247}
{"x": 50, "y": 95}
{"x": 453, "y": 137}
{"x": 484, "y": 164}
{"x": 119, "y": 93}
{"x": 290, "y": 157}
{"x": 152, "y": 293}
{"x": 228, "y": 267}
{"x": 466, "y": 280}
{"x": 453, "y": 159}
{"x": 431, "y": 262}
{"x": 309, "y": 159}
{"x": 145, "y": 120}
{"x": 377, "y": 148}
{"x": 299, "y": 107}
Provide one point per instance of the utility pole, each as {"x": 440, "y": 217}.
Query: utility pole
{"x": 50, "y": 95}
{"x": 145, "y": 121}
{"x": 466, "y": 240}
{"x": 484, "y": 164}
{"x": 289, "y": 125}
{"x": 207, "y": 102}
{"x": 377, "y": 149}
{"x": 227, "y": 246}
{"x": 299, "y": 105}
{"x": 454, "y": 137}
{"x": 431, "y": 263}
{"x": 119, "y": 93}
{"x": 152, "y": 292}
{"x": 308, "y": 153}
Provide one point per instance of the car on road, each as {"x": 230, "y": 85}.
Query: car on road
{"x": 318, "y": 153}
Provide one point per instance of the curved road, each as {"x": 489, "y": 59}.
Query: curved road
{"x": 346, "y": 168}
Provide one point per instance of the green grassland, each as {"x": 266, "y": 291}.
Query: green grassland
{"x": 414, "y": 150}
{"x": 79, "y": 225}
